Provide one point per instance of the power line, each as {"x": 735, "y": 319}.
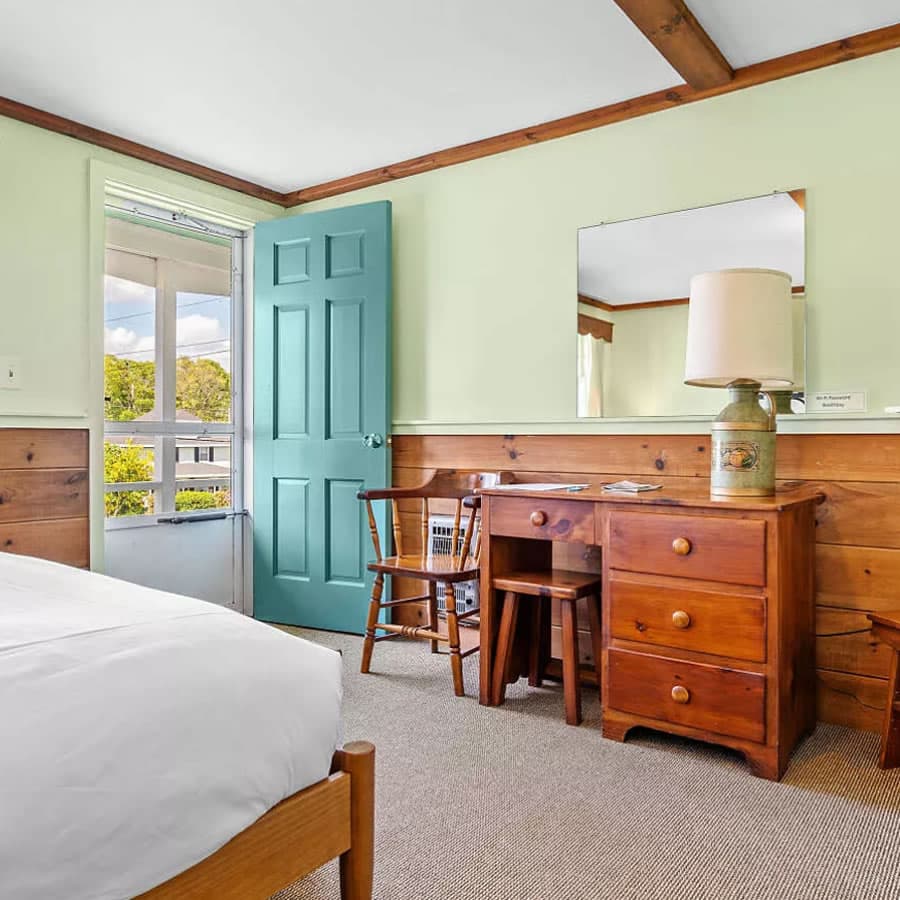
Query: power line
{"x": 150, "y": 312}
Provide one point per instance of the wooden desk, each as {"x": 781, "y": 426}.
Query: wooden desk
{"x": 707, "y": 607}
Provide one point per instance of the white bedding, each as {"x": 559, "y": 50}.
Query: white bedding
{"x": 142, "y": 730}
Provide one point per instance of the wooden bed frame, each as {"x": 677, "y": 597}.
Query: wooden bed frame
{"x": 44, "y": 513}
{"x": 334, "y": 817}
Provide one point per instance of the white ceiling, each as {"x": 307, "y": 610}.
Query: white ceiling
{"x": 290, "y": 93}
{"x": 655, "y": 257}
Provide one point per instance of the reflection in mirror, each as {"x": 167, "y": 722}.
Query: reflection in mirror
{"x": 633, "y": 286}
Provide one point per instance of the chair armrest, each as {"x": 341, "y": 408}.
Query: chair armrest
{"x": 389, "y": 493}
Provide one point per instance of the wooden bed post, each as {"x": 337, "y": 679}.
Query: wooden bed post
{"x": 357, "y": 864}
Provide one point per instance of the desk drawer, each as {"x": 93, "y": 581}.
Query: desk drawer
{"x": 723, "y": 701}
{"x": 547, "y": 519}
{"x": 710, "y": 548}
{"x": 705, "y": 621}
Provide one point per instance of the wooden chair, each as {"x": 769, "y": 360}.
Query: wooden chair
{"x": 567, "y": 587}
{"x": 886, "y": 628}
{"x": 447, "y": 569}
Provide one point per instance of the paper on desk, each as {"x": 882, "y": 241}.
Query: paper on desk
{"x": 540, "y": 486}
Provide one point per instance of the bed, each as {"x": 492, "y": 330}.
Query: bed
{"x": 165, "y": 747}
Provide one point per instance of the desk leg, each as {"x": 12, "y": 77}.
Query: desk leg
{"x": 890, "y": 735}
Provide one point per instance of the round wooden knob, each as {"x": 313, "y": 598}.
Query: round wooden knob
{"x": 538, "y": 518}
{"x": 681, "y": 619}
{"x": 681, "y": 546}
{"x": 681, "y": 694}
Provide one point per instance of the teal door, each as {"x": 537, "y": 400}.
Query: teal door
{"x": 321, "y": 370}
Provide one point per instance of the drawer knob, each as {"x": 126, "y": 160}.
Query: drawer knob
{"x": 681, "y": 694}
{"x": 681, "y": 546}
{"x": 681, "y": 619}
{"x": 538, "y": 518}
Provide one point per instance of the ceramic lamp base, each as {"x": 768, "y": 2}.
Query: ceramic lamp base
{"x": 743, "y": 446}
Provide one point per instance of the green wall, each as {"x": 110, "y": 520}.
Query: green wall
{"x": 48, "y": 208}
{"x": 485, "y": 252}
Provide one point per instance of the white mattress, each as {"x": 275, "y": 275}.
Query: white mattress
{"x": 142, "y": 730}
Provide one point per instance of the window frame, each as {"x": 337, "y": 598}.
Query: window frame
{"x": 167, "y": 429}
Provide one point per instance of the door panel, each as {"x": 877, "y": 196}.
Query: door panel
{"x": 322, "y": 383}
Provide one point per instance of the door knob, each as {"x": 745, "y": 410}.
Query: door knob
{"x": 373, "y": 441}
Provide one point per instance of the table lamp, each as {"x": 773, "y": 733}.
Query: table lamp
{"x": 740, "y": 334}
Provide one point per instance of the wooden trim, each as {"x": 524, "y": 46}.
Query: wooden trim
{"x": 848, "y": 48}
{"x": 334, "y": 817}
{"x": 843, "y": 50}
{"x": 597, "y": 328}
{"x": 671, "y": 27}
{"x": 650, "y": 304}
{"x": 799, "y": 197}
{"x": 32, "y": 116}
{"x": 597, "y": 304}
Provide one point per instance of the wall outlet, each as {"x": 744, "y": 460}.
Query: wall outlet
{"x": 10, "y": 373}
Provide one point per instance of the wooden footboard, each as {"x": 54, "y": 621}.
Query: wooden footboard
{"x": 335, "y": 817}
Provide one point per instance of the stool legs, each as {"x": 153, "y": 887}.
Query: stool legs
{"x": 571, "y": 677}
{"x": 539, "y": 646}
{"x": 505, "y": 641}
{"x": 374, "y": 609}
{"x": 453, "y": 635}
{"x": 433, "y": 623}
{"x": 890, "y": 735}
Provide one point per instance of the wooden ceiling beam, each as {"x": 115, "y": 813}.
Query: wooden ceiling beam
{"x": 671, "y": 27}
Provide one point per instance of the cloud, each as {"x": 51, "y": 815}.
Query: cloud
{"x": 120, "y": 290}
{"x": 203, "y": 336}
{"x": 119, "y": 341}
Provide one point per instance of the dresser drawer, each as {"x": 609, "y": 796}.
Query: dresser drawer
{"x": 710, "y": 548}
{"x": 706, "y": 621}
{"x": 545, "y": 519}
{"x": 723, "y": 701}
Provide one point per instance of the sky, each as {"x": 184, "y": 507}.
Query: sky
{"x": 202, "y": 328}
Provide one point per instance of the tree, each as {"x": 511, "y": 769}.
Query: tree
{"x": 203, "y": 387}
{"x": 129, "y": 387}
{"x": 126, "y": 463}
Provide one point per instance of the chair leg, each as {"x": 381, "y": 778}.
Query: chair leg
{"x": 374, "y": 610}
{"x": 593, "y": 604}
{"x": 571, "y": 679}
{"x": 433, "y": 622}
{"x": 453, "y": 635}
{"x": 505, "y": 641}
{"x": 539, "y": 648}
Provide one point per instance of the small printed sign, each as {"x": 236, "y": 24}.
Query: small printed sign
{"x": 837, "y": 401}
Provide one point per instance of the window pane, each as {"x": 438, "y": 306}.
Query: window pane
{"x": 203, "y": 357}
{"x": 128, "y": 503}
{"x": 129, "y": 344}
{"x": 126, "y": 460}
{"x": 203, "y": 473}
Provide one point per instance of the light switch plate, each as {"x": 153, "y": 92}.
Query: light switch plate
{"x": 10, "y": 373}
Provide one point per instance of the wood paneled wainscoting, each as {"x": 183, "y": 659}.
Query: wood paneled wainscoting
{"x": 857, "y": 529}
{"x": 44, "y": 493}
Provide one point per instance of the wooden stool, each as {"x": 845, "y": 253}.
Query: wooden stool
{"x": 886, "y": 628}
{"x": 557, "y": 584}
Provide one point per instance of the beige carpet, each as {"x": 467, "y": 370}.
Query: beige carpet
{"x": 513, "y": 804}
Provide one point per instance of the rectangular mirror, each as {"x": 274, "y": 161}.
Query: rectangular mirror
{"x": 633, "y": 286}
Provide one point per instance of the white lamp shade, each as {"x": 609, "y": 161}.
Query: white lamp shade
{"x": 740, "y": 326}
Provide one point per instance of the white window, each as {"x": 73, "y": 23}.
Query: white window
{"x": 172, "y": 368}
